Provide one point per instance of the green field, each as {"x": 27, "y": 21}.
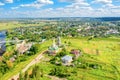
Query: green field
{"x": 109, "y": 50}
{"x": 108, "y": 59}
{"x": 15, "y": 24}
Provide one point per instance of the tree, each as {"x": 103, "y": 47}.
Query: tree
{"x": 65, "y": 42}
{"x": 21, "y": 76}
{"x": 26, "y": 76}
{"x": 61, "y": 71}
{"x": 9, "y": 64}
{"x": 35, "y": 71}
{"x": 69, "y": 43}
{"x": 34, "y": 49}
{"x": 41, "y": 72}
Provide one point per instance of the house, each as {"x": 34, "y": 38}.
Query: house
{"x": 112, "y": 31}
{"x": 23, "y": 47}
{"x": 12, "y": 59}
{"x": 76, "y": 52}
{"x": 66, "y": 59}
{"x": 53, "y": 49}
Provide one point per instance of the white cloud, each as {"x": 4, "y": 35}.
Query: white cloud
{"x": 76, "y": 8}
{"x": 1, "y": 4}
{"x": 102, "y": 1}
{"x": 14, "y": 8}
{"x": 45, "y": 1}
{"x": 8, "y": 1}
{"x": 111, "y": 6}
{"x": 75, "y": 4}
{"x": 71, "y": 0}
{"x": 84, "y": 11}
{"x": 37, "y": 4}
{"x": 5, "y": 1}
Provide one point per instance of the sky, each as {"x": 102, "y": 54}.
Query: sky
{"x": 59, "y": 8}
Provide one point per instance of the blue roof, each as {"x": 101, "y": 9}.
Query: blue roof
{"x": 67, "y": 57}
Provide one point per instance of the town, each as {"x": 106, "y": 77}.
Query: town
{"x": 60, "y": 50}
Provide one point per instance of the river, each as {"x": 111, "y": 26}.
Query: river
{"x": 2, "y": 45}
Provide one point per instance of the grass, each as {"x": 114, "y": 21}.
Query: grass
{"x": 21, "y": 65}
{"x": 109, "y": 50}
{"x": 108, "y": 57}
{"x": 14, "y": 24}
{"x": 106, "y": 48}
{"x": 108, "y": 53}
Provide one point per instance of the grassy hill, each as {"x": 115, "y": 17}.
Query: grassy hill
{"x": 101, "y": 52}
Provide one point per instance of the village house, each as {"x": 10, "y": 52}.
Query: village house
{"x": 76, "y": 52}
{"x": 12, "y": 59}
{"x": 67, "y": 59}
{"x": 112, "y": 31}
{"x": 23, "y": 47}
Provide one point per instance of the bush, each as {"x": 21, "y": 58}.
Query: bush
{"x": 61, "y": 71}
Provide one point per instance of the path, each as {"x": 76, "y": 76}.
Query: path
{"x": 34, "y": 61}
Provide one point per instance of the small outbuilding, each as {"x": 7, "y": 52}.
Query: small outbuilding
{"x": 76, "y": 52}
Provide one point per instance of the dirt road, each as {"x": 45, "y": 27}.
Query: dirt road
{"x": 34, "y": 61}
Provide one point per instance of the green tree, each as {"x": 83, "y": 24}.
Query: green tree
{"x": 34, "y": 49}
{"x": 26, "y": 76}
{"x": 21, "y": 76}
{"x": 35, "y": 71}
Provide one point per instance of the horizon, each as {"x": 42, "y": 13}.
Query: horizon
{"x": 59, "y": 8}
{"x": 57, "y": 17}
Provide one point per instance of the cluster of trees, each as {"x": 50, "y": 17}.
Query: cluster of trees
{"x": 6, "y": 64}
{"x": 70, "y": 28}
{"x": 61, "y": 71}
{"x": 36, "y": 74}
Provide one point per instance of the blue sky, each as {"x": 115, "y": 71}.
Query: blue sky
{"x": 59, "y": 8}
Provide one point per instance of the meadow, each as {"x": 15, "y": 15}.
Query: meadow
{"x": 104, "y": 50}
{"x": 100, "y": 51}
{"x": 16, "y": 24}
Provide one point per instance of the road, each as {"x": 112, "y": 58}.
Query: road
{"x": 34, "y": 61}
